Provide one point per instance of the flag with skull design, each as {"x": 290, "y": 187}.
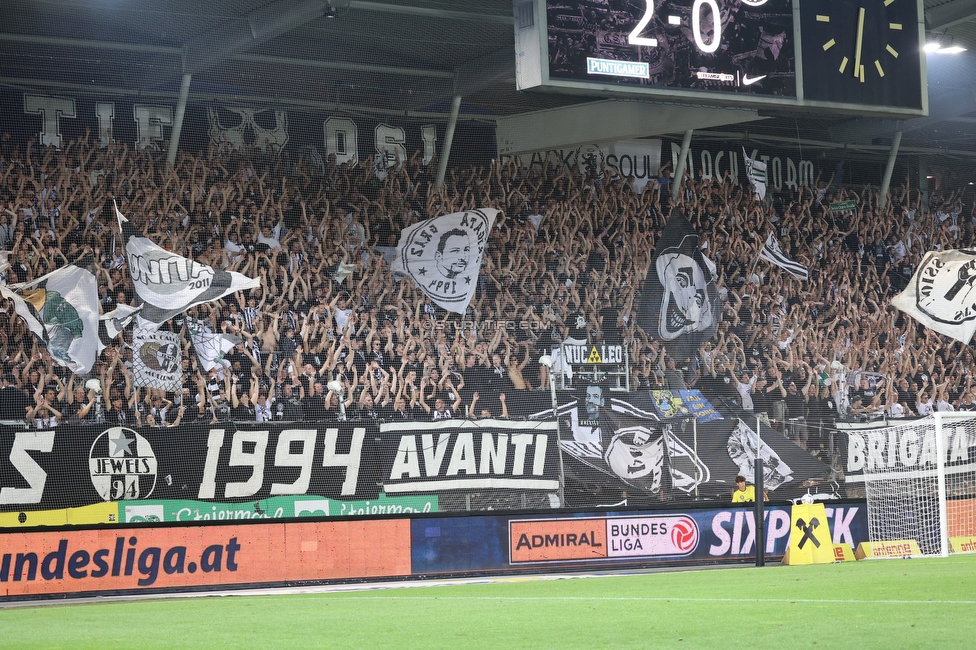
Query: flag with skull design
{"x": 679, "y": 302}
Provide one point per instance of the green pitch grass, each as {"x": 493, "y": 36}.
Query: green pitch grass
{"x": 886, "y": 604}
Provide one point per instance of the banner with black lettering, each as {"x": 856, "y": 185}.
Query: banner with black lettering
{"x": 476, "y": 456}
{"x": 907, "y": 449}
{"x": 75, "y": 466}
{"x": 156, "y": 357}
{"x": 167, "y": 284}
{"x": 443, "y": 255}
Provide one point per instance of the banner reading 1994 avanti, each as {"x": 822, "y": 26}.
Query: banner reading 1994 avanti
{"x": 187, "y": 473}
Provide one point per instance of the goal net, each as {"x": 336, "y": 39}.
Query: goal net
{"x": 920, "y": 482}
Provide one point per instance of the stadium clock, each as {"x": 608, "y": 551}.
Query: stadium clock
{"x": 862, "y": 52}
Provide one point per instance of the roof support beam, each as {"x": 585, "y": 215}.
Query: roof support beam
{"x": 949, "y": 14}
{"x": 427, "y": 12}
{"x": 29, "y": 39}
{"x": 42, "y": 85}
{"x": 258, "y": 26}
{"x": 448, "y": 142}
{"x": 347, "y": 67}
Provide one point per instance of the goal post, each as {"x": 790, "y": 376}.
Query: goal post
{"x": 920, "y": 481}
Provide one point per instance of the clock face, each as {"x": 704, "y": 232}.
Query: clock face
{"x": 861, "y": 52}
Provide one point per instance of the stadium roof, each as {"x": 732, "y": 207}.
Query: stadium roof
{"x": 386, "y": 56}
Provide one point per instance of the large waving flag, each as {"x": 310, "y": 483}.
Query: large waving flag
{"x": 61, "y": 311}
{"x": 210, "y": 346}
{"x": 772, "y": 253}
{"x": 168, "y": 284}
{"x": 679, "y": 302}
{"x": 942, "y": 293}
{"x": 443, "y": 255}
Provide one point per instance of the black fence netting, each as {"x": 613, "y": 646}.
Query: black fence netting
{"x": 292, "y": 316}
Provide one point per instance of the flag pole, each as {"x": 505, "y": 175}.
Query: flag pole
{"x": 758, "y": 480}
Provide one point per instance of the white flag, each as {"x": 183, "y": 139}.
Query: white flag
{"x": 942, "y": 293}
{"x": 168, "y": 284}
{"x": 210, "y": 346}
{"x": 61, "y": 310}
{"x": 443, "y": 255}
{"x": 772, "y": 253}
{"x": 756, "y": 172}
{"x": 156, "y": 357}
{"x": 118, "y": 319}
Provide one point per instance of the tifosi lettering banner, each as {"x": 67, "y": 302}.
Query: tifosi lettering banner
{"x": 471, "y": 455}
{"x": 443, "y": 255}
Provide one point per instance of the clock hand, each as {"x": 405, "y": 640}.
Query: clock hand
{"x": 860, "y": 41}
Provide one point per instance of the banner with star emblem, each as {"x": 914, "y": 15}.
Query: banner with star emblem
{"x": 443, "y": 255}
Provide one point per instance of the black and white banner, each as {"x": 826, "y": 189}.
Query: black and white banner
{"x": 772, "y": 253}
{"x": 907, "y": 449}
{"x": 471, "y": 455}
{"x": 756, "y": 173}
{"x": 156, "y": 357}
{"x": 679, "y": 303}
{"x": 168, "y": 284}
{"x": 74, "y": 466}
{"x": 209, "y": 345}
{"x": 618, "y": 445}
{"x": 443, "y": 255}
{"x": 942, "y": 293}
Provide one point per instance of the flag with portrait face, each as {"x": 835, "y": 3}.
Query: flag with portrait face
{"x": 679, "y": 303}
{"x": 942, "y": 293}
{"x": 443, "y": 255}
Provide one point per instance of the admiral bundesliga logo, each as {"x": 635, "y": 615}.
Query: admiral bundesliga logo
{"x": 122, "y": 465}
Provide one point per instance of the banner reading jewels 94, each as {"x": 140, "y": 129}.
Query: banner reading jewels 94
{"x": 75, "y": 466}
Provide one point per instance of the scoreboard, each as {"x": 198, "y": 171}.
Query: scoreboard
{"x": 860, "y": 56}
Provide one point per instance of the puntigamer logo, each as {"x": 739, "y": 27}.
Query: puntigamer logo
{"x": 122, "y": 465}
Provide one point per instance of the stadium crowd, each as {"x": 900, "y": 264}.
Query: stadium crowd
{"x": 567, "y": 258}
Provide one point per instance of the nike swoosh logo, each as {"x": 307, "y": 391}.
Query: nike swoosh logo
{"x": 748, "y": 81}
